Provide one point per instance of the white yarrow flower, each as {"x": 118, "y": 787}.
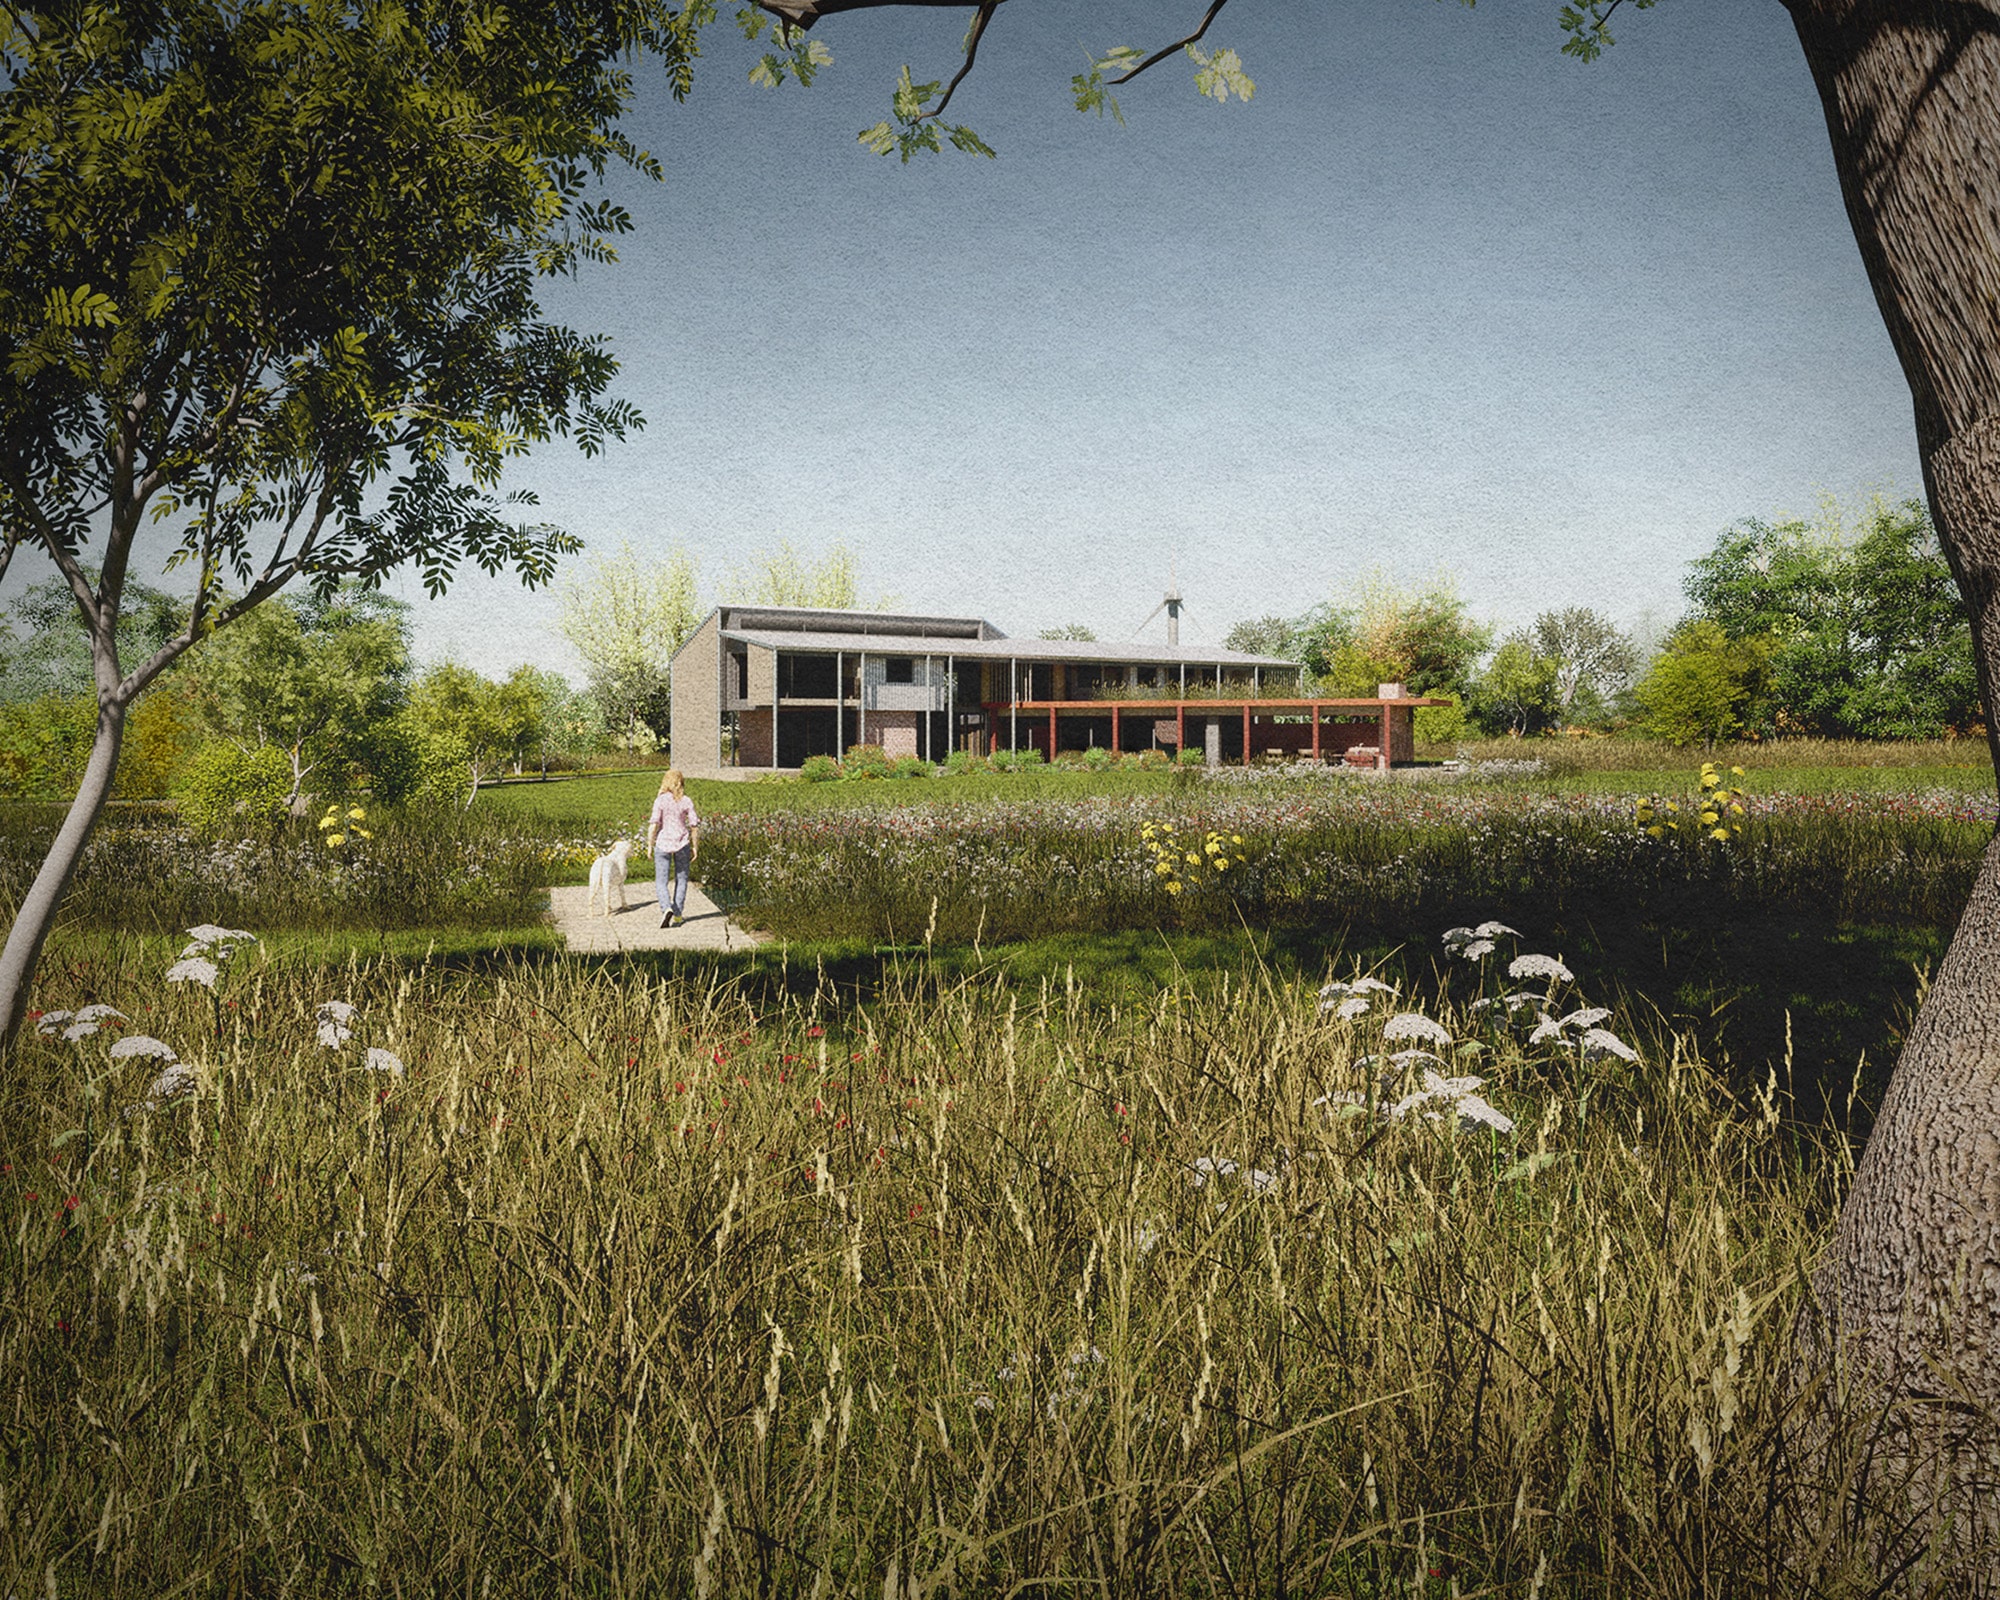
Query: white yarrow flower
{"x": 384, "y": 1061}
{"x": 177, "y": 1080}
{"x": 1470, "y": 943}
{"x": 1411, "y": 1025}
{"x": 335, "y": 1023}
{"x": 1205, "y": 1167}
{"x": 194, "y": 969}
{"x": 1548, "y": 1028}
{"x": 1355, "y": 1005}
{"x": 222, "y": 940}
{"x": 1441, "y": 1096}
{"x": 50, "y": 1023}
{"x": 1586, "y": 1017}
{"x": 1539, "y": 967}
{"x": 140, "y": 1044}
{"x": 1493, "y": 930}
{"x": 1597, "y": 1039}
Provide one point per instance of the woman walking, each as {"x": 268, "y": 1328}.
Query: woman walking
{"x": 671, "y": 842}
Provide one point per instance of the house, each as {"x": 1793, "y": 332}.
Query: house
{"x": 768, "y": 686}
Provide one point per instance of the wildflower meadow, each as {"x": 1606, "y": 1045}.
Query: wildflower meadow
{"x": 1451, "y": 1266}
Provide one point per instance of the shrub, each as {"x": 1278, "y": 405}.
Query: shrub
{"x": 866, "y": 761}
{"x": 225, "y": 787}
{"x": 1192, "y": 756}
{"x": 1097, "y": 758}
{"x": 1440, "y": 724}
{"x": 392, "y": 756}
{"x": 819, "y": 769}
{"x": 913, "y": 767}
{"x": 44, "y": 745}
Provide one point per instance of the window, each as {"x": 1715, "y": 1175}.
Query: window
{"x": 899, "y": 669}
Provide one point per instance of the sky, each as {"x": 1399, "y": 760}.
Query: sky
{"x": 1438, "y": 299}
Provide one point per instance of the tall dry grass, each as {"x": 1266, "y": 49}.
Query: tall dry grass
{"x": 624, "y": 1289}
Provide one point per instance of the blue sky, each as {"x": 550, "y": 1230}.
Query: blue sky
{"x": 1438, "y": 297}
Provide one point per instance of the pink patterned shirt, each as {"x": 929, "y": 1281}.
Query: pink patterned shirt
{"x": 673, "y": 823}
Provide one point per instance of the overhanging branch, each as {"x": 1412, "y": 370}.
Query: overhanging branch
{"x": 1176, "y": 47}
{"x": 986, "y": 10}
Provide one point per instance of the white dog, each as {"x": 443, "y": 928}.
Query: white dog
{"x": 607, "y": 873}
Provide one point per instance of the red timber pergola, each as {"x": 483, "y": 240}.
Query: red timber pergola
{"x": 1248, "y": 708}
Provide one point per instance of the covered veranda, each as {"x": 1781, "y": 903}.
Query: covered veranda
{"x": 1231, "y": 730}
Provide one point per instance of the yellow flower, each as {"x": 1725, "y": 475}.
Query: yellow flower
{"x": 1173, "y": 888}
{"x": 336, "y": 838}
{"x": 363, "y": 833}
{"x": 1709, "y": 819}
{"x": 1656, "y": 832}
{"x": 1221, "y": 863}
{"x": 1211, "y": 847}
{"x": 1165, "y": 869}
{"x": 326, "y": 822}
{"x": 356, "y": 814}
{"x": 1735, "y": 810}
{"x": 1194, "y": 860}
{"x": 1736, "y": 771}
{"x": 1236, "y": 838}
{"x": 1720, "y": 833}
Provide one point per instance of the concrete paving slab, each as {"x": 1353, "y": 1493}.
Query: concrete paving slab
{"x": 637, "y": 927}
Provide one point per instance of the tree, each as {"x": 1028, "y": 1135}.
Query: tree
{"x": 783, "y": 576}
{"x": 1866, "y": 632}
{"x": 54, "y": 657}
{"x": 1591, "y": 659}
{"x": 313, "y": 676}
{"x": 1422, "y": 637}
{"x": 464, "y": 723}
{"x": 626, "y": 619}
{"x": 1911, "y": 94}
{"x": 1080, "y": 632}
{"x": 1699, "y": 686}
{"x": 267, "y": 278}
{"x": 1267, "y": 636}
{"x": 1517, "y": 693}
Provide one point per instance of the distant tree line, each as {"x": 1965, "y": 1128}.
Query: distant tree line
{"x": 309, "y": 694}
{"x": 1793, "y": 628}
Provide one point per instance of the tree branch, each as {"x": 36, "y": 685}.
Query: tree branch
{"x": 804, "y": 13}
{"x": 1158, "y": 56}
{"x": 985, "y": 15}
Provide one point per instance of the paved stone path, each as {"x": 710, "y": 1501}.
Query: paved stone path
{"x": 637, "y": 927}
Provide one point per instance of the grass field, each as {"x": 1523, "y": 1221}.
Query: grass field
{"x": 1010, "y": 1226}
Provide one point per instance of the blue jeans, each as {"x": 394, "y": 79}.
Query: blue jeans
{"x": 670, "y": 874}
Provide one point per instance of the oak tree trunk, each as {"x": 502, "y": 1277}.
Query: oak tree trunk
{"x": 1912, "y": 99}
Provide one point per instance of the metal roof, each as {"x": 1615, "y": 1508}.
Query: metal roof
{"x": 1096, "y": 651}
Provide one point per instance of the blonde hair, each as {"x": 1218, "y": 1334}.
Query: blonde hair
{"x": 672, "y": 784}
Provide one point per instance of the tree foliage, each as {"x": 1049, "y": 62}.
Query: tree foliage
{"x": 313, "y": 676}
{"x": 1864, "y": 627}
{"x": 1517, "y": 692}
{"x": 1701, "y": 685}
{"x": 268, "y": 276}
{"x": 1592, "y": 659}
{"x": 626, "y": 617}
{"x": 784, "y": 575}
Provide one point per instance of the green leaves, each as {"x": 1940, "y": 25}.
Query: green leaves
{"x": 1587, "y": 26}
{"x": 915, "y": 129}
{"x": 1088, "y": 87}
{"x": 802, "y": 62}
{"x": 1221, "y": 75}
